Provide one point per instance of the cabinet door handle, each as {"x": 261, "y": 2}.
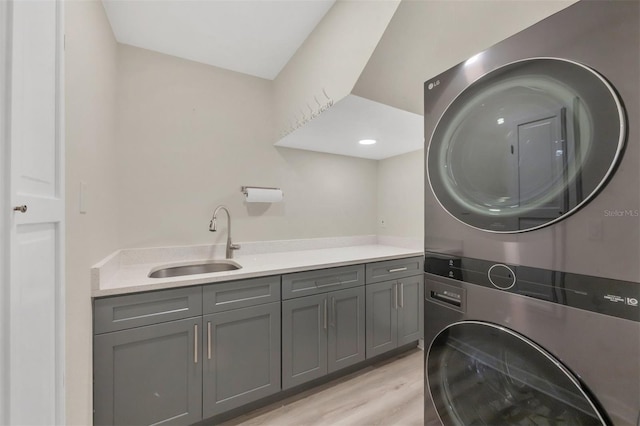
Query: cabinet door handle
{"x": 208, "y": 340}
{"x": 395, "y": 296}
{"x": 397, "y": 269}
{"x": 401, "y": 295}
{"x": 325, "y": 313}
{"x": 334, "y": 315}
{"x": 195, "y": 343}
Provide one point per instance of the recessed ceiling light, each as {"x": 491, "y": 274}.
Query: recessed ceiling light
{"x": 367, "y": 141}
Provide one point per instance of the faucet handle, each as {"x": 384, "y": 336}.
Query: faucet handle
{"x": 234, "y": 246}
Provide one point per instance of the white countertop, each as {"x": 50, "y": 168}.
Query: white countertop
{"x": 114, "y": 276}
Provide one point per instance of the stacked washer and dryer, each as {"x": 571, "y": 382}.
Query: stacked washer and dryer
{"x": 532, "y": 227}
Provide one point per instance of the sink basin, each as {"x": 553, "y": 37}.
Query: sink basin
{"x": 195, "y": 268}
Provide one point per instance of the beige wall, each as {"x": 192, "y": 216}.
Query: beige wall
{"x": 91, "y": 157}
{"x": 190, "y": 135}
{"x": 427, "y": 37}
{"x": 330, "y": 59}
{"x": 401, "y": 196}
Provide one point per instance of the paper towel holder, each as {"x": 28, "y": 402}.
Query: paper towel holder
{"x": 244, "y": 188}
{"x": 276, "y": 191}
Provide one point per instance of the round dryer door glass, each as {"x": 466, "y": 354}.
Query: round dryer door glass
{"x": 482, "y": 374}
{"x": 526, "y": 145}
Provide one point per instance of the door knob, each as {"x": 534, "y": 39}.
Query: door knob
{"x": 21, "y": 209}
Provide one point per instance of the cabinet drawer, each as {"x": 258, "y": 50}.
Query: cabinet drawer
{"x": 321, "y": 281}
{"x": 135, "y": 310}
{"x": 394, "y": 269}
{"x": 240, "y": 294}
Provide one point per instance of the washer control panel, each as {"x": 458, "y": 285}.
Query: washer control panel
{"x": 597, "y": 294}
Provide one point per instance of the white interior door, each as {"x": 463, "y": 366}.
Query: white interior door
{"x": 35, "y": 300}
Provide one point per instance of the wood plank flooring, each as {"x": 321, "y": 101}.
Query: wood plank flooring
{"x": 387, "y": 393}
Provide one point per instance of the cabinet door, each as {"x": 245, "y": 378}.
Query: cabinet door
{"x": 411, "y": 309}
{"x": 304, "y": 339}
{"x": 149, "y": 375}
{"x": 382, "y": 318}
{"x": 241, "y": 354}
{"x": 346, "y": 328}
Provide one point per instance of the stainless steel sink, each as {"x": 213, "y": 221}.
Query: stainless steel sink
{"x": 195, "y": 268}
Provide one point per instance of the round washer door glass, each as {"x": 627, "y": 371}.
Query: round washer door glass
{"x": 526, "y": 145}
{"x": 483, "y": 374}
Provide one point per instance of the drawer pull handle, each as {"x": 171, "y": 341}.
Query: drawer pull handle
{"x": 397, "y": 270}
{"x": 328, "y": 285}
{"x": 195, "y": 343}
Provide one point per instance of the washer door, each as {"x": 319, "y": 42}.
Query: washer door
{"x": 482, "y": 374}
{"x": 526, "y": 145}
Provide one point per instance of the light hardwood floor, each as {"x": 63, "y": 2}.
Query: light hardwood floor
{"x": 387, "y": 393}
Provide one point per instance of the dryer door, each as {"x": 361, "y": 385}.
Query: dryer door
{"x": 483, "y": 374}
{"x": 526, "y": 145}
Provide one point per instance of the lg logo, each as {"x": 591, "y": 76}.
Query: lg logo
{"x": 433, "y": 84}
{"x": 632, "y": 301}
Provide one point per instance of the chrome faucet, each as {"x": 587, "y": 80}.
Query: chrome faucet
{"x": 213, "y": 228}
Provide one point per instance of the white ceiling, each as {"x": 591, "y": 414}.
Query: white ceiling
{"x": 255, "y": 37}
{"x": 338, "y": 130}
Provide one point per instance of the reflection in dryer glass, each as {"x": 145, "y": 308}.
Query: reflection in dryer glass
{"x": 484, "y": 375}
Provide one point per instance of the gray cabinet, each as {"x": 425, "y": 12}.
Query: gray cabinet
{"x": 241, "y": 345}
{"x": 147, "y": 363}
{"x": 176, "y": 356}
{"x": 241, "y": 355}
{"x": 394, "y": 314}
{"x": 382, "y": 318}
{"x": 411, "y": 309}
{"x": 321, "y": 334}
{"x": 304, "y": 339}
{"x": 346, "y": 334}
{"x": 149, "y": 375}
{"x": 158, "y": 360}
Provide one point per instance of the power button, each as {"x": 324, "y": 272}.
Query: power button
{"x": 501, "y": 276}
